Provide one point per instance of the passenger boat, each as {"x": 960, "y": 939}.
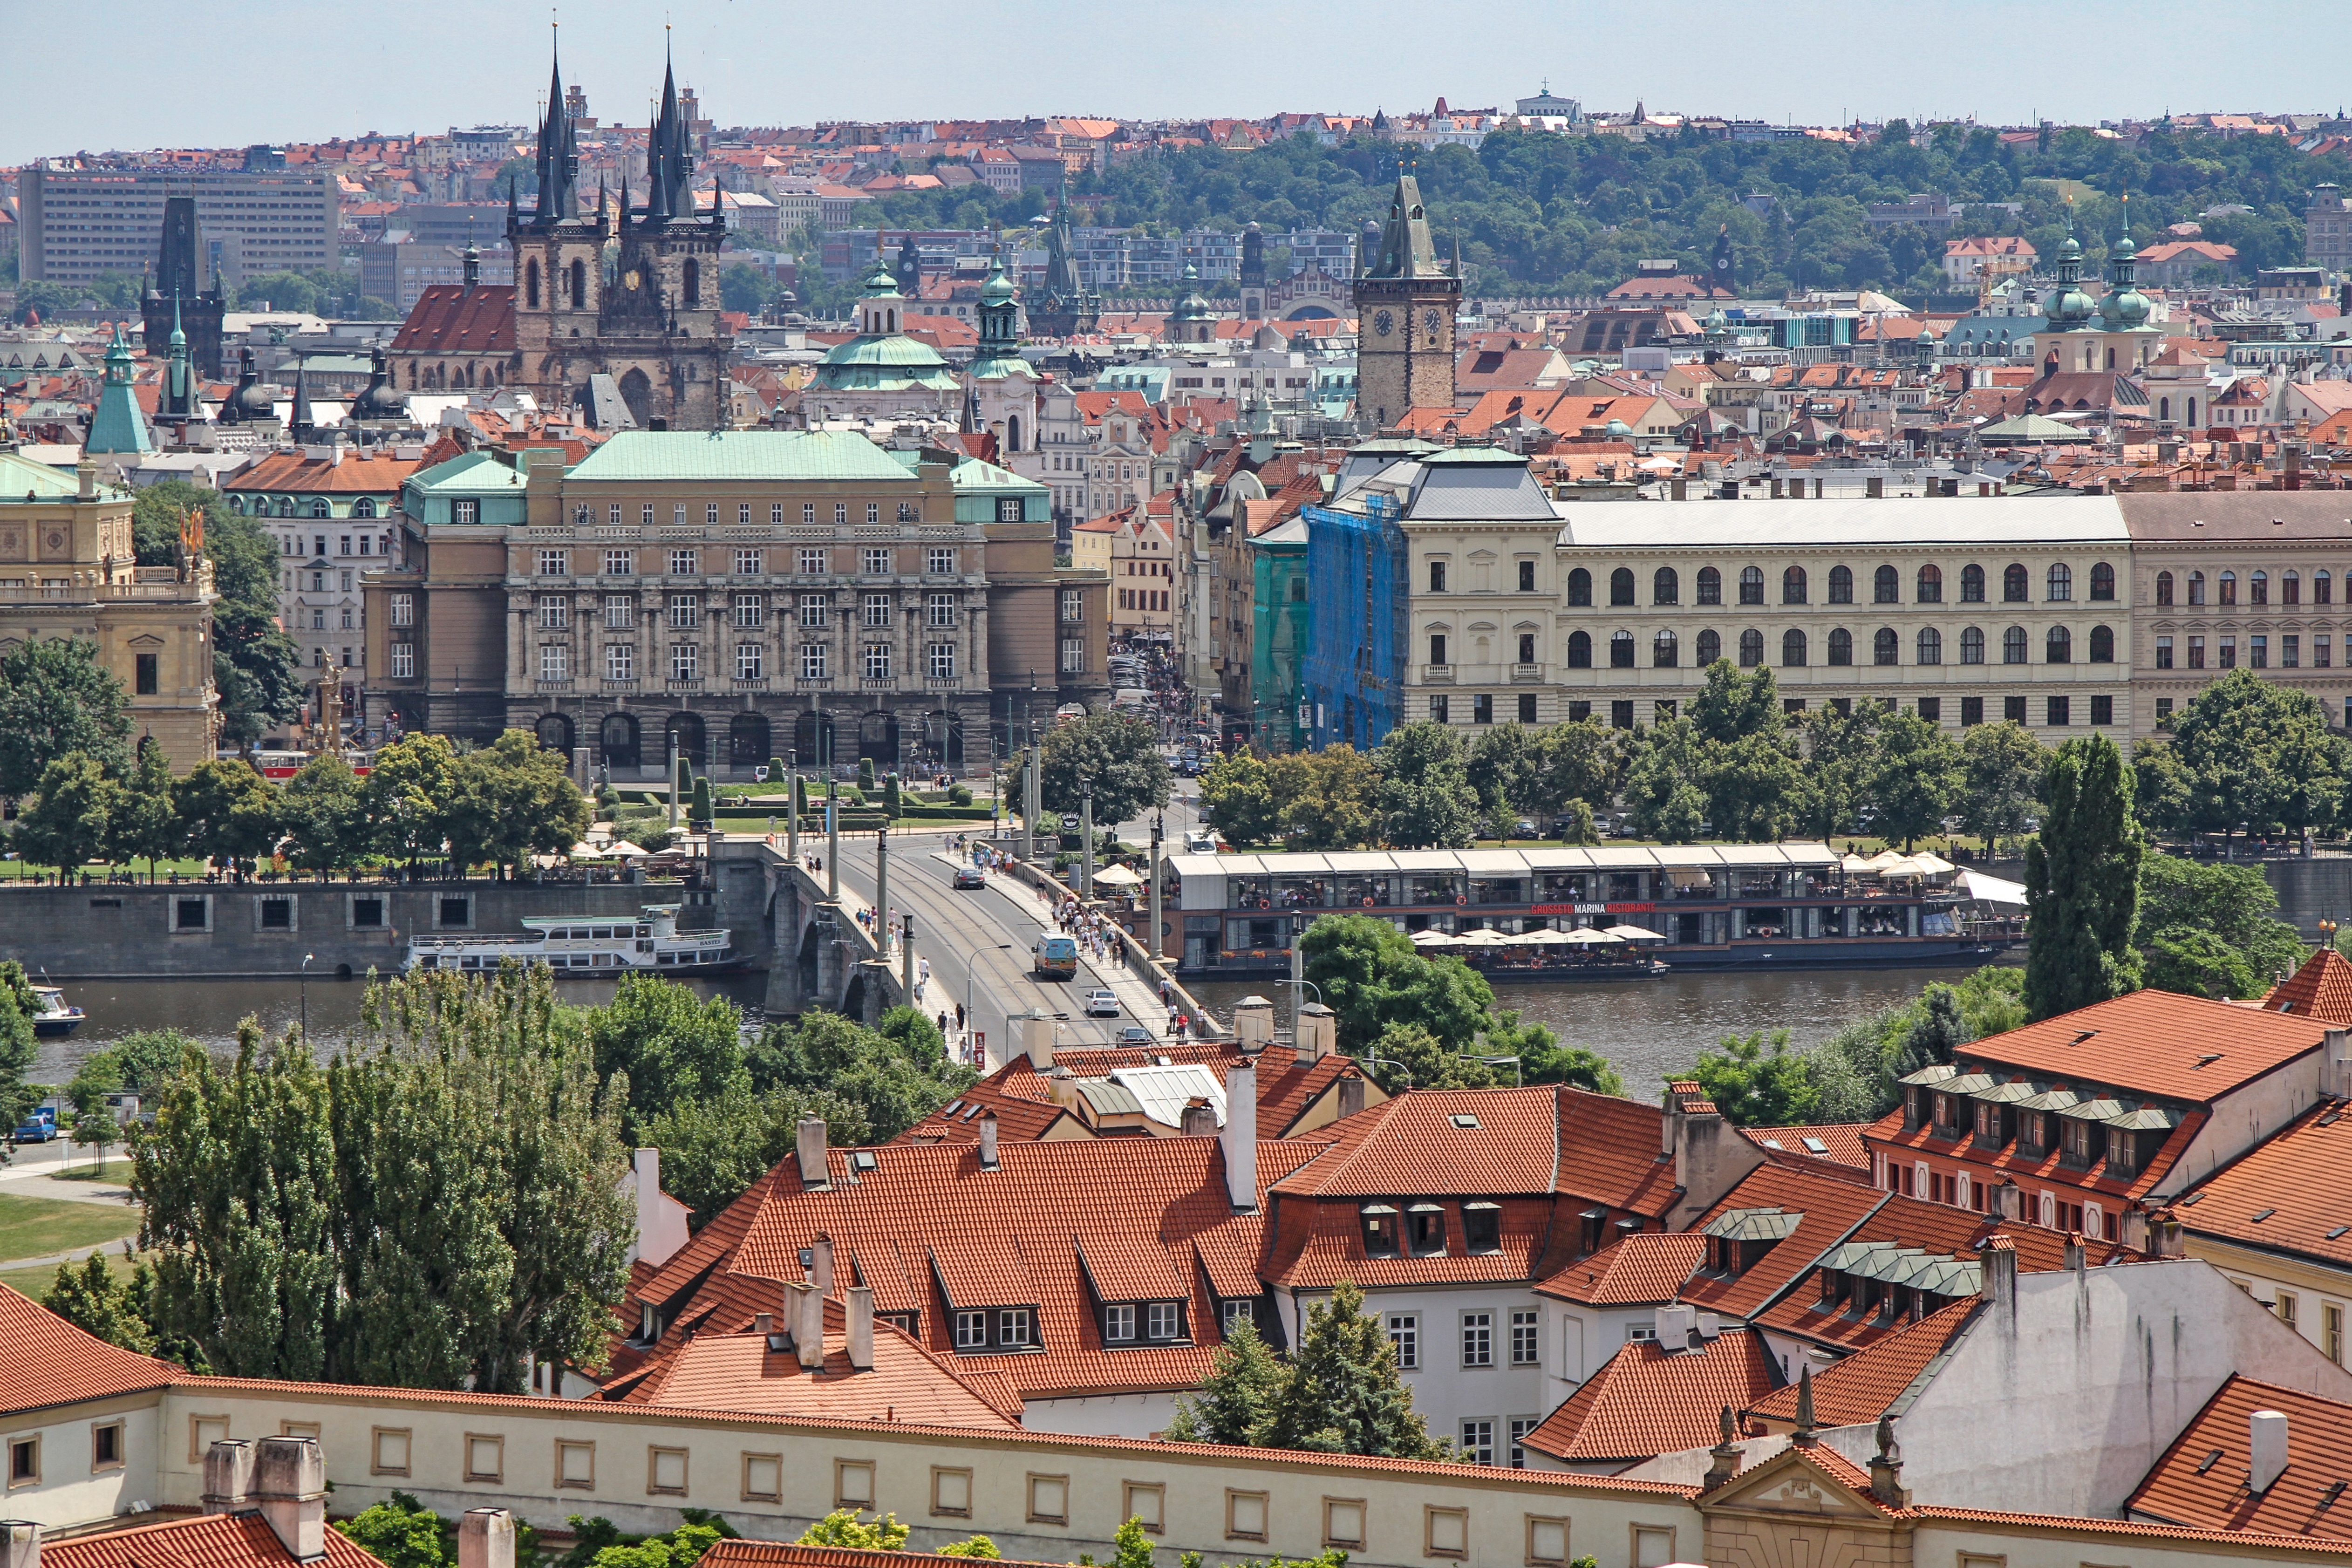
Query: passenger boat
{"x": 584, "y": 945}
{"x": 55, "y": 1017}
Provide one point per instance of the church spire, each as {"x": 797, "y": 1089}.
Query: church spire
{"x": 558, "y": 159}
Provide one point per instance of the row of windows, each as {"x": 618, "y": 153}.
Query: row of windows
{"x": 2257, "y": 588}
{"x": 683, "y": 612}
{"x": 1886, "y": 584}
{"x": 2056, "y": 712}
{"x": 938, "y": 562}
{"x": 287, "y": 506}
{"x": 1885, "y": 648}
{"x": 1477, "y": 1338}
{"x": 2258, "y": 651}
{"x": 877, "y": 661}
{"x": 584, "y": 515}
{"x": 369, "y": 544}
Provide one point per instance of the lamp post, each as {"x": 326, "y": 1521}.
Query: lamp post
{"x": 304, "y": 985}
{"x": 1159, "y": 833}
{"x": 792, "y": 803}
{"x": 832, "y": 810}
{"x": 1087, "y": 850}
{"x": 882, "y": 894}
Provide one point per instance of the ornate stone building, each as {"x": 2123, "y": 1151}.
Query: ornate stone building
{"x": 1405, "y": 305}
{"x": 175, "y": 299}
{"x": 1066, "y": 307}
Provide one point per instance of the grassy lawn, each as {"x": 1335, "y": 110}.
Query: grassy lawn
{"x": 112, "y": 1171}
{"x": 35, "y": 1282}
{"x": 36, "y": 1228}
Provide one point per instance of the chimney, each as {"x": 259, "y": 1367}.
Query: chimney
{"x": 1677, "y": 1322}
{"x": 2164, "y": 1238}
{"x": 1874, "y": 486}
{"x": 86, "y": 475}
{"x": 1997, "y": 1276}
{"x": 2266, "y": 1449}
{"x": 1710, "y": 1326}
{"x": 821, "y": 1264}
{"x": 861, "y": 1327}
{"x": 1710, "y": 1156}
{"x": 1319, "y": 1031}
{"x": 2134, "y": 1229}
{"x": 763, "y": 1324}
{"x": 1034, "y": 1037}
{"x": 988, "y": 1141}
{"x": 20, "y": 1543}
{"x": 2335, "y": 1065}
{"x": 1241, "y": 1133}
{"x": 2075, "y": 1256}
{"x": 1200, "y": 1119}
{"x": 807, "y": 1310}
{"x": 486, "y": 1539}
{"x": 289, "y": 1483}
{"x": 810, "y": 1145}
{"x": 1254, "y": 1022}
{"x": 1351, "y": 1094}
{"x": 228, "y": 1475}
{"x": 2009, "y": 1200}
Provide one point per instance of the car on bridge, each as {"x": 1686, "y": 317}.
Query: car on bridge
{"x": 969, "y": 876}
{"x": 1102, "y": 1003}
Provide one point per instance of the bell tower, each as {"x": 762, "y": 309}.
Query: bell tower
{"x": 559, "y": 255}
{"x": 1405, "y": 304}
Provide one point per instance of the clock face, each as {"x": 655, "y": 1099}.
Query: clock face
{"x": 629, "y": 279}
{"x": 1383, "y": 324}
{"x": 1430, "y": 322}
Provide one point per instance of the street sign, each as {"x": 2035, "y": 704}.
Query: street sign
{"x": 1069, "y": 822}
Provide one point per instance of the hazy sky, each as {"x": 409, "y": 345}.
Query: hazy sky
{"x": 148, "y": 73}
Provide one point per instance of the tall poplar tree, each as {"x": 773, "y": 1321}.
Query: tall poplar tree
{"x": 2081, "y": 882}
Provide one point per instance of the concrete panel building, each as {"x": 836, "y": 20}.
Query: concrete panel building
{"x": 74, "y": 223}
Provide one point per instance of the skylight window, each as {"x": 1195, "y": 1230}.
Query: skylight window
{"x": 1464, "y": 1119}
{"x": 1815, "y": 1146}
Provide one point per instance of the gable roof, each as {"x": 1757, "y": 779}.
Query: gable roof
{"x": 1648, "y": 1400}
{"x": 451, "y": 318}
{"x": 1642, "y": 1269}
{"x": 2202, "y": 1479}
{"x": 370, "y": 473}
{"x": 1840, "y": 1142}
{"x": 1825, "y": 1211}
{"x": 2321, "y": 989}
{"x": 50, "y": 1361}
{"x": 1858, "y": 1390}
{"x": 2287, "y": 1194}
{"x": 2155, "y": 1042}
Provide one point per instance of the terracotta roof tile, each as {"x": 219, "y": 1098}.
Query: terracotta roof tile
{"x": 213, "y": 1541}
{"x": 2321, "y": 989}
{"x": 1639, "y": 1269}
{"x": 449, "y": 317}
{"x": 1828, "y": 1210}
{"x": 783, "y": 1554}
{"x": 2291, "y": 1193}
{"x": 50, "y": 1361}
{"x": 1648, "y": 1401}
{"x": 2201, "y": 1481}
{"x": 1839, "y": 1141}
{"x": 1860, "y": 1389}
{"x": 292, "y": 471}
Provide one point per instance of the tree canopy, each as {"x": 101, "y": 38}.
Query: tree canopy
{"x": 1117, "y": 755}
{"x": 2081, "y": 882}
{"x": 56, "y": 698}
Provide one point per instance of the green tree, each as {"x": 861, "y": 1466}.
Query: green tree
{"x": 228, "y": 812}
{"x": 95, "y": 1300}
{"x": 257, "y": 668}
{"x": 17, "y": 1043}
{"x": 2000, "y": 780}
{"x": 1758, "y": 1081}
{"x": 402, "y": 1533}
{"x": 1504, "y": 768}
{"x": 145, "y": 825}
{"x": 979, "y": 1546}
{"x": 324, "y": 814}
{"x": 67, "y": 824}
{"x": 1409, "y": 1055}
{"x": 513, "y": 799}
{"x": 1662, "y": 785}
{"x": 1237, "y": 800}
{"x": 2256, "y": 754}
{"x": 1371, "y": 976}
{"x": 1236, "y": 1399}
{"x": 2081, "y": 883}
{"x": 1343, "y": 1395}
{"x": 1570, "y": 1065}
{"x": 1753, "y": 787}
{"x": 1580, "y": 761}
{"x": 1426, "y": 790}
{"x": 744, "y": 288}
{"x": 407, "y": 794}
{"x": 1115, "y": 753}
{"x": 1328, "y": 799}
{"x": 917, "y": 1035}
{"x": 2198, "y": 963}
{"x": 824, "y": 1052}
{"x": 56, "y": 699}
{"x": 1841, "y": 759}
{"x": 1730, "y": 707}
{"x": 1916, "y": 778}
{"x": 1937, "y": 1032}
{"x": 670, "y": 1046}
{"x": 842, "y": 1527}
{"x": 713, "y": 1150}
{"x": 1130, "y": 1548}
{"x": 2233, "y": 905}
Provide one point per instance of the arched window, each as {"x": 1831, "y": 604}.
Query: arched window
{"x": 1710, "y": 647}
{"x": 1972, "y": 584}
{"x": 1792, "y": 649}
{"x": 1885, "y": 587}
{"x": 1621, "y": 650}
{"x": 2257, "y": 588}
{"x": 1580, "y": 587}
{"x": 364, "y": 507}
{"x": 2290, "y": 587}
{"x": 2102, "y": 581}
{"x": 1012, "y": 432}
{"x": 2013, "y": 583}
{"x": 1885, "y": 646}
{"x": 2164, "y": 408}
{"x": 1621, "y": 585}
{"x": 2058, "y": 648}
{"x": 1972, "y": 646}
{"x": 2012, "y": 645}
{"x": 320, "y": 509}
{"x": 530, "y": 283}
{"x": 1931, "y": 585}
{"x": 2197, "y": 587}
{"x": 2320, "y": 588}
{"x": 2164, "y": 587}
{"x": 693, "y": 281}
{"x": 1840, "y": 646}
{"x": 1792, "y": 585}
{"x": 1662, "y": 651}
{"x": 579, "y": 283}
{"x": 236, "y": 503}
{"x": 1710, "y": 586}
{"x": 1841, "y": 586}
{"x": 1931, "y": 646}
{"x": 617, "y": 738}
{"x": 2229, "y": 588}
{"x": 2061, "y": 582}
{"x": 1665, "y": 588}
{"x": 1751, "y": 648}
{"x": 1579, "y": 650}
{"x": 554, "y": 732}
{"x": 2103, "y": 645}
{"x": 1752, "y": 585}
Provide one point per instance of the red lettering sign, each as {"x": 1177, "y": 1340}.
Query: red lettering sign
{"x": 1631, "y": 909}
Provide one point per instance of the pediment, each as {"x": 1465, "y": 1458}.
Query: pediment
{"x": 146, "y": 639}
{"x": 1793, "y": 1482}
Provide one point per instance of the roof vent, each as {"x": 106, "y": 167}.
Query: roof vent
{"x": 1463, "y": 1119}
{"x": 2211, "y": 1458}
{"x": 2081, "y": 1038}
{"x": 2208, "y": 1059}
{"x": 2261, "y": 1215}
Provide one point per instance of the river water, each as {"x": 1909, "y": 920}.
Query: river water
{"x": 1649, "y": 1028}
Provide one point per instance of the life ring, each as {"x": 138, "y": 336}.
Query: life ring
{"x": 1367, "y": 902}
{"x": 1265, "y": 903}
{"x": 1459, "y": 898}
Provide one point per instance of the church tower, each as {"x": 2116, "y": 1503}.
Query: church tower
{"x": 1405, "y": 305}
{"x": 1253, "y": 274}
{"x": 661, "y": 335}
{"x": 1066, "y": 307}
{"x": 176, "y": 298}
{"x": 559, "y": 260}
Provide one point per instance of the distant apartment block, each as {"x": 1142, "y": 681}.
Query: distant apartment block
{"x": 2327, "y": 229}
{"x": 75, "y": 224}
{"x": 398, "y": 273}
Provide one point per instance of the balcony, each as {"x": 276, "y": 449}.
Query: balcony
{"x": 814, "y": 683}
{"x": 1527, "y": 675}
{"x": 754, "y": 683}
{"x": 556, "y": 686}
{"x": 691, "y": 683}
{"x": 621, "y": 686}
{"x": 878, "y": 683}
{"x": 1437, "y": 675}
{"x": 942, "y": 683}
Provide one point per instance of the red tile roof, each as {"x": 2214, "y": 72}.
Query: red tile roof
{"x": 451, "y": 318}
{"x": 2201, "y": 1481}
{"x": 1840, "y": 1141}
{"x": 1858, "y": 1391}
{"x": 213, "y": 1541}
{"x": 50, "y": 1361}
{"x": 2321, "y": 989}
{"x": 2285, "y": 1195}
{"x": 1648, "y": 1401}
{"x": 1415, "y": 1144}
{"x": 292, "y": 471}
{"x": 1636, "y": 1271}
{"x": 1828, "y": 1210}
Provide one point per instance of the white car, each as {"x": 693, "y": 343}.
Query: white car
{"x": 1102, "y": 1005}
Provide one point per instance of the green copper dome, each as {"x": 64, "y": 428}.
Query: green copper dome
{"x": 998, "y": 290}
{"x": 881, "y": 281}
{"x": 1191, "y": 307}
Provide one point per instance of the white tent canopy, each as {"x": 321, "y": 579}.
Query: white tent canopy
{"x": 1117, "y": 877}
{"x": 1585, "y": 936}
{"x": 1993, "y": 889}
{"x": 1635, "y": 933}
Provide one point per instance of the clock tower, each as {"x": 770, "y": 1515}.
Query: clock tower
{"x": 1405, "y": 305}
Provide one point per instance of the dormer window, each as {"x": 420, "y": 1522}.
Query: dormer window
{"x": 1379, "y": 1230}
{"x": 1482, "y": 1227}
{"x": 1118, "y": 1324}
{"x": 1425, "y": 1229}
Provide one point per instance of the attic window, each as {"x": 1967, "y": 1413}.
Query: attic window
{"x": 2208, "y": 1461}
{"x": 2339, "y": 1230}
{"x": 1482, "y": 1227}
{"x": 2209, "y": 1057}
{"x": 1379, "y": 1230}
{"x": 1464, "y": 1119}
{"x": 1815, "y": 1146}
{"x": 863, "y": 1160}
{"x": 2081, "y": 1038}
{"x": 953, "y": 1106}
{"x": 2192, "y": 1200}
{"x": 2261, "y": 1215}
{"x": 1426, "y": 1227}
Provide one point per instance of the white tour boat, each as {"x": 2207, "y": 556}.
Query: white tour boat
{"x": 583, "y": 944}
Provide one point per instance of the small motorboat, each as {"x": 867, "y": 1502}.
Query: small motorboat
{"x": 55, "y": 1017}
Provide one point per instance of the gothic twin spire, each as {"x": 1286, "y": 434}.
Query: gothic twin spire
{"x": 670, "y": 156}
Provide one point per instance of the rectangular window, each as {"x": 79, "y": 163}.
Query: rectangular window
{"x": 2163, "y": 711}
{"x": 554, "y": 661}
{"x": 387, "y": 1451}
{"x": 2290, "y": 652}
{"x": 775, "y": 514}
{"x": 1343, "y": 1524}
{"x": 950, "y": 1492}
{"x": 2012, "y": 709}
{"x": 874, "y": 511}
{"x": 939, "y": 561}
{"x": 1049, "y": 1500}
{"x": 685, "y": 612}
{"x": 750, "y": 610}
{"x": 751, "y": 661}
{"x": 683, "y": 564}
{"x": 853, "y": 1484}
{"x": 553, "y": 562}
{"x": 554, "y": 612}
{"x": 1653, "y": 1546}
{"x": 1246, "y": 1515}
{"x": 2103, "y": 710}
{"x": 1477, "y": 1445}
{"x": 677, "y": 514}
{"x": 875, "y": 563}
{"x": 24, "y": 1461}
{"x": 1074, "y": 607}
{"x": 1479, "y": 1345}
{"x": 2287, "y": 1305}
{"x": 816, "y": 661}
{"x": 404, "y": 662}
{"x": 763, "y": 1478}
{"x": 1162, "y": 1321}
{"x": 816, "y": 610}
{"x": 1232, "y": 1314}
{"x": 742, "y": 514}
{"x": 147, "y": 676}
{"x": 106, "y": 1445}
{"x": 1146, "y": 1502}
{"x": 485, "y": 1458}
{"x": 1527, "y": 576}
{"x": 2258, "y": 652}
{"x": 2319, "y": 651}
{"x": 620, "y": 612}
{"x": 2196, "y": 653}
{"x": 1073, "y": 656}
{"x": 1520, "y": 1426}
{"x": 1438, "y": 707}
{"x": 812, "y": 563}
{"x": 1404, "y": 1334}
{"x": 2331, "y": 1332}
{"x": 620, "y": 563}
{"x": 462, "y": 512}
{"x": 939, "y": 609}
{"x": 970, "y": 1331}
{"x": 575, "y": 1465}
{"x": 941, "y": 661}
{"x": 1118, "y": 1322}
{"x": 685, "y": 661}
{"x": 1446, "y": 1531}
{"x": 748, "y": 563}
{"x": 2164, "y": 653}
{"x": 403, "y": 609}
{"x": 1526, "y": 708}
{"x": 877, "y": 661}
{"x": 1525, "y": 1326}
{"x": 2228, "y": 653}
{"x": 874, "y": 610}
{"x": 1932, "y": 709}
{"x": 1546, "y": 1543}
{"x": 613, "y": 514}
{"x": 620, "y": 662}
{"x": 666, "y": 1471}
{"x": 1621, "y": 714}
{"x": 1012, "y": 1328}
{"x": 2057, "y": 712}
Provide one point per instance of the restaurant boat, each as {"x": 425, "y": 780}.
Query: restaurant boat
{"x": 584, "y": 945}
